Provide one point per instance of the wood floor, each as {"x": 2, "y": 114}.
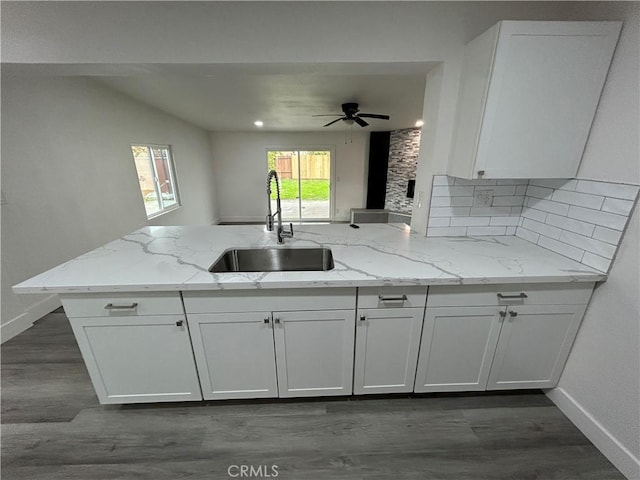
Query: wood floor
{"x": 54, "y": 428}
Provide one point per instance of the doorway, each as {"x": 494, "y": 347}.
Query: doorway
{"x": 305, "y": 182}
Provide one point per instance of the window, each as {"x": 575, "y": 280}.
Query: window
{"x": 157, "y": 178}
{"x": 305, "y": 182}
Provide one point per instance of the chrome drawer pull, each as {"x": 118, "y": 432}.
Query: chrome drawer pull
{"x": 111, "y": 306}
{"x": 382, "y": 298}
{"x": 505, "y": 297}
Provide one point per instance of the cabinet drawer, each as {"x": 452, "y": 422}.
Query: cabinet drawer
{"x": 121, "y": 304}
{"x": 536, "y": 294}
{"x": 270, "y": 300}
{"x": 391, "y": 297}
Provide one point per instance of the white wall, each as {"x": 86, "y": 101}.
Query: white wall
{"x": 240, "y": 166}
{"x": 69, "y": 178}
{"x": 600, "y": 386}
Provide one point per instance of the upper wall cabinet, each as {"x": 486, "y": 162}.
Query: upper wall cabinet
{"x": 528, "y": 95}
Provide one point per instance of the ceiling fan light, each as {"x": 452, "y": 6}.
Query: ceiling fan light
{"x": 349, "y": 121}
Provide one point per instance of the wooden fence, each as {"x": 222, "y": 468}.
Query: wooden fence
{"x": 312, "y": 167}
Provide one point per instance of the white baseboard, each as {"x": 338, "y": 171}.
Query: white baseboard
{"x": 623, "y": 459}
{"x": 250, "y": 219}
{"x": 34, "y": 312}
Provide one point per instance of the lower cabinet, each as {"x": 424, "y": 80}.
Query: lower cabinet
{"x": 135, "y": 359}
{"x": 235, "y": 354}
{"x": 498, "y": 337}
{"x": 457, "y": 348}
{"x": 535, "y": 341}
{"x": 387, "y": 343}
{"x": 314, "y": 352}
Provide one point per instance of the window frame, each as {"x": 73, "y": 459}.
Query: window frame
{"x": 172, "y": 178}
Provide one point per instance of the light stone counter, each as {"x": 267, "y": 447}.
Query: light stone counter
{"x": 178, "y": 258}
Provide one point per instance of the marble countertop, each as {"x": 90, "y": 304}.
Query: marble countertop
{"x": 178, "y": 258}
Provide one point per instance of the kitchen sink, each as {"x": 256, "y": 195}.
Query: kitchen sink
{"x": 273, "y": 260}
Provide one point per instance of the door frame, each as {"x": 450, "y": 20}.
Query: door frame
{"x": 332, "y": 177}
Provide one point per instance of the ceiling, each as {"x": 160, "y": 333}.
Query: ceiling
{"x": 231, "y": 97}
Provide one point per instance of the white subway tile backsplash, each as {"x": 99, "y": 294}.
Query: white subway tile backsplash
{"x": 580, "y": 219}
{"x": 451, "y": 201}
{"x": 451, "y": 191}
{"x": 481, "y": 231}
{"x": 490, "y": 211}
{"x": 615, "y": 190}
{"x": 504, "y": 221}
{"x": 507, "y": 201}
{"x": 581, "y": 199}
{"x": 499, "y": 190}
{"x": 615, "y": 205}
{"x": 595, "y": 261}
{"x": 449, "y": 211}
{"x": 561, "y": 248}
{"x": 554, "y": 183}
{"x": 547, "y": 206}
{"x": 542, "y": 228}
{"x": 607, "y": 235}
{"x": 439, "y": 221}
{"x": 589, "y": 244}
{"x": 539, "y": 192}
{"x": 469, "y": 221}
{"x": 565, "y": 223}
{"x": 447, "y": 232}
{"x": 611, "y": 220}
{"x": 527, "y": 234}
{"x": 534, "y": 214}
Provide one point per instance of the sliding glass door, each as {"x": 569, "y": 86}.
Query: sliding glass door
{"x": 305, "y": 183}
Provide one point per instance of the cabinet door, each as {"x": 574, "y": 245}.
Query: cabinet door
{"x": 314, "y": 352}
{"x": 387, "y": 342}
{"x": 235, "y": 354}
{"x": 138, "y": 359}
{"x": 534, "y": 345}
{"x": 543, "y": 94}
{"x": 457, "y": 347}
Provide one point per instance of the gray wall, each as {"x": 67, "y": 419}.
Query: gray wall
{"x": 404, "y": 148}
{"x": 69, "y": 179}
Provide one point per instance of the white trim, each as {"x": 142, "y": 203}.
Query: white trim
{"x": 34, "y": 312}
{"x": 621, "y": 457}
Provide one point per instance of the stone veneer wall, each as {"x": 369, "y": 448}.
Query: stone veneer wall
{"x": 404, "y": 147}
{"x": 581, "y": 219}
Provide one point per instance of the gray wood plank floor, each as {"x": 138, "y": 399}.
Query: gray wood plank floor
{"x": 54, "y": 428}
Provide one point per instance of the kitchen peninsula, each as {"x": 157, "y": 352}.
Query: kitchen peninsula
{"x": 398, "y": 313}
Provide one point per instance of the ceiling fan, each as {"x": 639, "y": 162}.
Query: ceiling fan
{"x": 350, "y": 115}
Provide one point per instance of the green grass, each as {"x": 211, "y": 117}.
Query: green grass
{"x": 311, "y": 189}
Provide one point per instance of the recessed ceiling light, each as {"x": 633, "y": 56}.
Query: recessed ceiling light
{"x": 258, "y": 123}
{"x": 419, "y": 123}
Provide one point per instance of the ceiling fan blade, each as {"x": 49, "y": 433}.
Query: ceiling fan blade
{"x": 331, "y": 123}
{"x": 374, "y": 115}
{"x": 360, "y": 122}
{"x": 328, "y": 115}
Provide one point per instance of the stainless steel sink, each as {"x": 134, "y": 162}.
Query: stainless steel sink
{"x": 274, "y": 260}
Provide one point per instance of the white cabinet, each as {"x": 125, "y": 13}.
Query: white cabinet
{"x": 498, "y": 336}
{"x": 457, "y": 348}
{"x": 387, "y": 342}
{"x": 136, "y": 346}
{"x": 314, "y": 352}
{"x": 528, "y": 95}
{"x": 273, "y": 343}
{"x": 235, "y": 354}
{"x": 535, "y": 341}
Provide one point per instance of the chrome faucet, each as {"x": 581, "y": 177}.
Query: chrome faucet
{"x": 281, "y": 232}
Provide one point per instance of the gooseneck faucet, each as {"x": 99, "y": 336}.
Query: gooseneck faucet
{"x": 281, "y": 232}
